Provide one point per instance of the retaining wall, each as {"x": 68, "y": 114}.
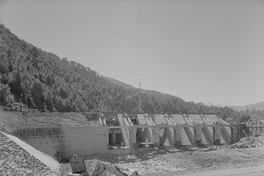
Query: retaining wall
{"x": 85, "y": 141}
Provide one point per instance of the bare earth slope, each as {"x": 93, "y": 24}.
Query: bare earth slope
{"x": 17, "y": 119}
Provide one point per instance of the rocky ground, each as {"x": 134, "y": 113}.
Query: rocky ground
{"x": 178, "y": 162}
{"x": 169, "y": 161}
{"x": 249, "y": 142}
{"x": 16, "y": 161}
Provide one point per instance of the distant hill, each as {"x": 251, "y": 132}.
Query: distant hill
{"x": 42, "y": 80}
{"x": 257, "y": 106}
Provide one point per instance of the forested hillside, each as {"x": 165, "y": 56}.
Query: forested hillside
{"x": 42, "y": 80}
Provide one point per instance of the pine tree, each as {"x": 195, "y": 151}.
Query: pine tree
{"x": 67, "y": 107}
{"x": 5, "y": 95}
{"x": 37, "y": 95}
{"x": 15, "y": 85}
{"x": 3, "y": 65}
{"x": 48, "y": 102}
{"x": 59, "y": 104}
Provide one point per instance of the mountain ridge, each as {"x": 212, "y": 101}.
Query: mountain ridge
{"x": 125, "y": 85}
{"x": 257, "y": 106}
{"x": 117, "y": 82}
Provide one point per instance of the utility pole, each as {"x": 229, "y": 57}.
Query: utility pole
{"x": 138, "y": 94}
{"x": 27, "y": 93}
{"x": 26, "y": 108}
{"x": 139, "y": 98}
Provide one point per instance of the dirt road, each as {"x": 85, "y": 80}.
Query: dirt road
{"x": 248, "y": 171}
{"x": 243, "y": 170}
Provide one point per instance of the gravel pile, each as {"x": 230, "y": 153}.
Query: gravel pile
{"x": 14, "y": 161}
{"x": 213, "y": 148}
{"x": 249, "y": 142}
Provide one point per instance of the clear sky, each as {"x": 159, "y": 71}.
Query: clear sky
{"x": 201, "y": 51}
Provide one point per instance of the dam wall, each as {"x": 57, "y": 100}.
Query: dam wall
{"x": 62, "y": 142}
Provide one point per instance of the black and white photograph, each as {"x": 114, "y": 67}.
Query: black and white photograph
{"x": 131, "y": 87}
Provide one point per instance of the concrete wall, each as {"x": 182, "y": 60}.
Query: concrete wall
{"x": 47, "y": 144}
{"x": 82, "y": 141}
{"x": 85, "y": 141}
{"x": 45, "y": 139}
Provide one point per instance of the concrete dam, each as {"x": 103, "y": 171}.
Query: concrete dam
{"x": 128, "y": 134}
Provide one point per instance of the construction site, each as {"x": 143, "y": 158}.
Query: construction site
{"x": 123, "y": 138}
